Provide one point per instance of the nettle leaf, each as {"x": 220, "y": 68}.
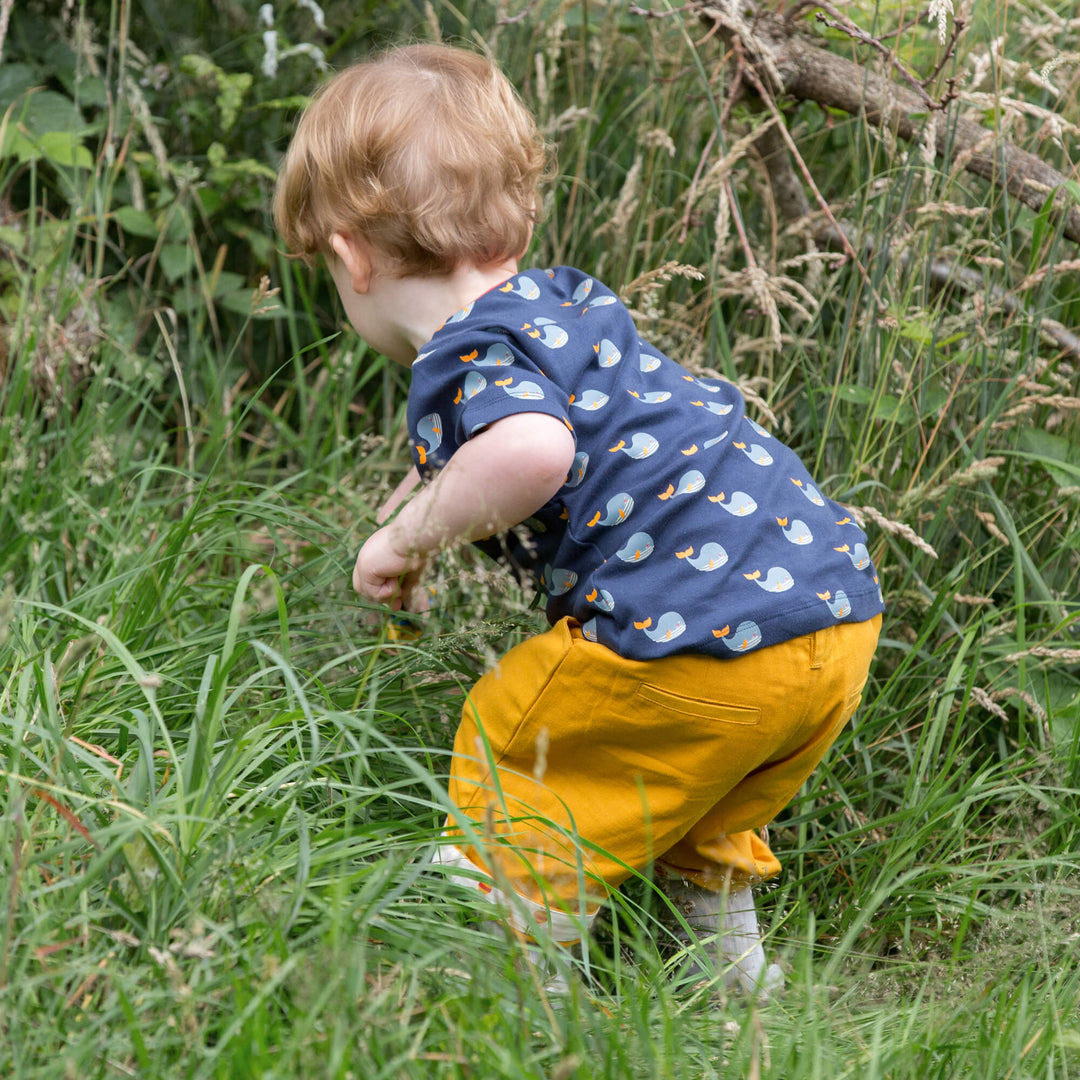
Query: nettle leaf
{"x": 46, "y": 111}
{"x": 136, "y": 222}
{"x": 1056, "y": 454}
{"x": 15, "y": 80}
{"x": 176, "y": 260}
{"x": 64, "y": 149}
{"x": 240, "y": 301}
{"x": 16, "y": 144}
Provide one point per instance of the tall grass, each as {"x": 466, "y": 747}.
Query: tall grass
{"x": 222, "y": 777}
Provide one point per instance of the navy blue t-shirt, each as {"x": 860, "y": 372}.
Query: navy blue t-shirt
{"x": 683, "y": 526}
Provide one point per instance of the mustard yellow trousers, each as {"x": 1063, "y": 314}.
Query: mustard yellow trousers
{"x": 573, "y": 767}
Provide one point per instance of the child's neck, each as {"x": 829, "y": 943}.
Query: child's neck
{"x": 426, "y": 303}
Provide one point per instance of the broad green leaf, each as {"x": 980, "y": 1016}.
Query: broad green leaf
{"x": 228, "y": 282}
{"x": 1056, "y": 454}
{"x": 47, "y": 111}
{"x": 64, "y": 148}
{"x": 240, "y": 302}
{"x": 16, "y": 144}
{"x": 176, "y": 260}
{"x": 15, "y": 80}
{"x": 136, "y": 222}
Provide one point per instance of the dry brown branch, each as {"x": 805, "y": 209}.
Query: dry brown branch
{"x": 789, "y": 64}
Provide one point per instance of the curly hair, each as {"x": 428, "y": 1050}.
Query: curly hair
{"x": 425, "y": 151}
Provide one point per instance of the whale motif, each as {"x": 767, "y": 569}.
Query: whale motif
{"x": 758, "y": 428}
{"x": 809, "y": 491}
{"x": 859, "y": 556}
{"x": 700, "y": 382}
{"x": 717, "y": 408}
{"x": 430, "y": 429}
{"x": 462, "y": 314}
{"x": 497, "y": 355}
{"x": 797, "y": 532}
{"x": 713, "y": 442}
{"x": 578, "y": 468}
{"x": 839, "y": 604}
{"x": 711, "y": 557}
{"x": 558, "y": 581}
{"x": 545, "y": 330}
{"x": 747, "y": 635}
{"x": 668, "y": 627}
{"x": 522, "y": 286}
{"x": 642, "y": 444}
{"x": 580, "y": 293}
{"x": 739, "y": 503}
{"x": 600, "y": 301}
{"x": 588, "y": 630}
{"x": 648, "y": 363}
{"x": 602, "y": 599}
{"x": 776, "y": 580}
{"x": 525, "y": 391}
{"x": 688, "y": 483}
{"x": 651, "y": 397}
{"x": 474, "y": 383}
{"x": 638, "y": 548}
{"x": 607, "y": 353}
{"x": 590, "y": 401}
{"x": 617, "y": 510}
{"x": 757, "y": 454}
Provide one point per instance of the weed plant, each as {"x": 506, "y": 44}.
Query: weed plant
{"x": 222, "y": 777}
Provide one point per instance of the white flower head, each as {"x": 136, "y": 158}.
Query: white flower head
{"x": 270, "y": 53}
{"x": 940, "y": 10}
{"x": 316, "y": 12}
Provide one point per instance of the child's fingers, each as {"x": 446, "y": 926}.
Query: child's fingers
{"x": 383, "y": 590}
{"x": 415, "y": 596}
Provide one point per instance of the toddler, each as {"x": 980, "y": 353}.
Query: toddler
{"x": 713, "y": 615}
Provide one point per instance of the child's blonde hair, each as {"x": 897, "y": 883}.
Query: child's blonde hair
{"x": 425, "y": 151}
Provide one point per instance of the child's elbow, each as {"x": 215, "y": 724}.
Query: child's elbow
{"x": 554, "y": 454}
{"x": 537, "y": 450}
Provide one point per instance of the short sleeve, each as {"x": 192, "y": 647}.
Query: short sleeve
{"x": 472, "y": 378}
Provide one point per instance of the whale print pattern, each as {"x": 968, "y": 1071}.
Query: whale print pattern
{"x": 668, "y": 627}
{"x": 711, "y": 557}
{"x": 522, "y": 286}
{"x": 495, "y": 356}
{"x": 682, "y": 524}
{"x": 616, "y": 512}
{"x": 602, "y": 599}
{"x": 590, "y": 400}
{"x": 607, "y": 353}
{"x": 797, "y": 532}
{"x": 577, "y": 470}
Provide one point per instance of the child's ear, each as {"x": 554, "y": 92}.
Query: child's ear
{"x": 356, "y": 258}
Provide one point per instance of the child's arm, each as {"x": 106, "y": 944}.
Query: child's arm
{"x": 495, "y": 480}
{"x": 398, "y": 495}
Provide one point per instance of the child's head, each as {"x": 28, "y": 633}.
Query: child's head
{"x": 425, "y": 151}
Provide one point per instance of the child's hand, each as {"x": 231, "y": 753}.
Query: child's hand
{"x": 383, "y": 574}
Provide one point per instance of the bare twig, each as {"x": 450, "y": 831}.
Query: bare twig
{"x": 788, "y": 64}
{"x": 841, "y": 22}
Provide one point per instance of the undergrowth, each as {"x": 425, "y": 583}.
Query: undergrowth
{"x": 222, "y": 773}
